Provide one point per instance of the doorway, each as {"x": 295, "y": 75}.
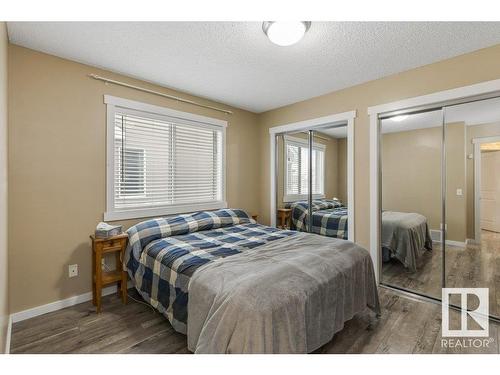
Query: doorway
{"x": 487, "y": 185}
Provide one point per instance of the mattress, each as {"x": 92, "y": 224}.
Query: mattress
{"x": 164, "y": 253}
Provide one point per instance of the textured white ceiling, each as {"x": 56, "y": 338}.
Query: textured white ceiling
{"x": 235, "y": 63}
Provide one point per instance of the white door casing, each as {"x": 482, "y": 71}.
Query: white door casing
{"x": 477, "y": 183}
{"x": 490, "y": 191}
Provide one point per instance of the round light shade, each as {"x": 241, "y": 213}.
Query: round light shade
{"x": 285, "y": 33}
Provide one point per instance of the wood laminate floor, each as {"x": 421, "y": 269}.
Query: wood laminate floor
{"x": 475, "y": 266}
{"x": 406, "y": 326}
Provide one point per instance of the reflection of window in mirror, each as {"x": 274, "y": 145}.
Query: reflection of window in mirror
{"x": 296, "y": 169}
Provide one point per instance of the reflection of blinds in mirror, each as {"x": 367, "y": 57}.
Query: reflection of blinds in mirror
{"x": 318, "y": 174}
{"x": 293, "y": 169}
{"x": 297, "y": 161}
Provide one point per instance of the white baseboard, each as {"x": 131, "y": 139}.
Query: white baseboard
{"x": 453, "y": 243}
{"x": 435, "y": 235}
{"x": 8, "y": 336}
{"x": 61, "y": 304}
{"x": 471, "y": 241}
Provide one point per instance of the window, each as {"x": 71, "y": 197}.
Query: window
{"x": 162, "y": 161}
{"x": 131, "y": 171}
{"x": 296, "y": 169}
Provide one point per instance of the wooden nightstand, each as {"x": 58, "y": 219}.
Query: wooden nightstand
{"x": 101, "y": 246}
{"x": 284, "y": 216}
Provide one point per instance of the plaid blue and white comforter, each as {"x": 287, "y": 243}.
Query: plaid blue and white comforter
{"x": 329, "y": 217}
{"x": 163, "y": 253}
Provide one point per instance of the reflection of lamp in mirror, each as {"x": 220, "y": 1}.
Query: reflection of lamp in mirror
{"x": 400, "y": 118}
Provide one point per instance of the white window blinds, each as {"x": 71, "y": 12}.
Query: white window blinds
{"x": 296, "y": 169}
{"x": 164, "y": 165}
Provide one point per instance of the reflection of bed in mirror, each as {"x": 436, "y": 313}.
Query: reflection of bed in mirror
{"x": 329, "y": 217}
{"x": 405, "y": 235}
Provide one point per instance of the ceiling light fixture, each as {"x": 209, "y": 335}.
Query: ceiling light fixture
{"x": 285, "y": 33}
{"x": 400, "y": 118}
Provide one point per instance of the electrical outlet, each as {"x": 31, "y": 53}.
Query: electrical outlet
{"x": 73, "y": 270}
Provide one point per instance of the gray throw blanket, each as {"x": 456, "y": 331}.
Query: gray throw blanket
{"x": 288, "y": 296}
{"x": 406, "y": 235}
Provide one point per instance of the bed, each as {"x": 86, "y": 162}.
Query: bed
{"x": 405, "y": 235}
{"x": 235, "y": 286}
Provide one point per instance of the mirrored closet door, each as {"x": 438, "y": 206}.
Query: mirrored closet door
{"x": 472, "y": 143}
{"x": 311, "y": 180}
{"x": 411, "y": 153}
{"x": 292, "y": 178}
{"x": 440, "y": 199}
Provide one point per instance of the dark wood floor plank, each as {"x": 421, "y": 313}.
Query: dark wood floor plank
{"x": 163, "y": 342}
{"x": 469, "y": 267}
{"x": 430, "y": 332}
{"x": 406, "y": 325}
{"x": 404, "y": 334}
{"x": 375, "y": 328}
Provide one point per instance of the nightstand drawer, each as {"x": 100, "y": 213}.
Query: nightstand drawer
{"x": 112, "y": 245}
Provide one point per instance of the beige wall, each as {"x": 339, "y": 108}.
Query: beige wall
{"x": 57, "y": 169}
{"x": 411, "y": 173}
{"x": 4, "y": 307}
{"x": 460, "y": 71}
{"x": 411, "y": 176}
{"x": 456, "y": 205}
{"x": 342, "y": 170}
{"x": 416, "y": 191}
{"x": 331, "y": 166}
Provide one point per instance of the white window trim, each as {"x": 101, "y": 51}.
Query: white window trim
{"x": 301, "y": 143}
{"x": 112, "y": 104}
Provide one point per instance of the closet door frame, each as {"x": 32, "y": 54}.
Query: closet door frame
{"x": 439, "y": 99}
{"x": 312, "y": 124}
